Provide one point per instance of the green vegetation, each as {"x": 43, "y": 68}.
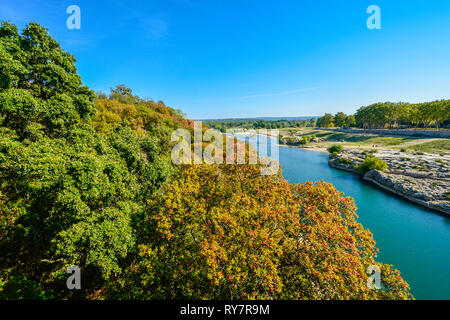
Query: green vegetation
{"x": 353, "y": 138}
{"x": 295, "y": 141}
{"x": 437, "y": 146}
{"x": 88, "y": 181}
{"x": 338, "y": 120}
{"x": 335, "y": 148}
{"x": 74, "y": 174}
{"x": 345, "y": 161}
{"x": 373, "y": 163}
{"x": 392, "y": 115}
{"x": 305, "y": 140}
{"x": 225, "y": 124}
{"x": 327, "y": 138}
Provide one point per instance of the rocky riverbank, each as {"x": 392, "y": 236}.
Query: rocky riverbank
{"x": 421, "y": 178}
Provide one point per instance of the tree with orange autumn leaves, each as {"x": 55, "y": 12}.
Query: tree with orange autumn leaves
{"x": 226, "y": 232}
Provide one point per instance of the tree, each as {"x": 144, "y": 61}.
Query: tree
{"x": 350, "y": 121}
{"x": 69, "y": 195}
{"x": 340, "y": 119}
{"x": 312, "y": 122}
{"x": 326, "y": 121}
{"x": 123, "y": 94}
{"x": 392, "y": 115}
{"x": 335, "y": 148}
{"x": 426, "y": 113}
{"x": 373, "y": 163}
{"x": 39, "y": 83}
{"x": 440, "y": 111}
{"x": 226, "y": 232}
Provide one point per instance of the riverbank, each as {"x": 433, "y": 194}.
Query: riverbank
{"x": 408, "y": 234}
{"x": 358, "y": 139}
{"x": 310, "y": 148}
{"x": 421, "y": 178}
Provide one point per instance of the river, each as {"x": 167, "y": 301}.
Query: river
{"x": 412, "y": 238}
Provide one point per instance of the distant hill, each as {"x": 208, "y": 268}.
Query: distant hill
{"x": 261, "y": 118}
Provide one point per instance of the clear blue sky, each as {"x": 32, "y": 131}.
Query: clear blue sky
{"x": 216, "y": 59}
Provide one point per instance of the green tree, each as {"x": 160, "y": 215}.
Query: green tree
{"x": 326, "y": 121}
{"x": 340, "y": 119}
{"x": 440, "y": 112}
{"x": 373, "y": 163}
{"x": 426, "y": 113}
{"x": 39, "y": 83}
{"x": 335, "y": 148}
{"x": 350, "y": 121}
{"x": 69, "y": 195}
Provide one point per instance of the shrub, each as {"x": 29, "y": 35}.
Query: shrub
{"x": 345, "y": 161}
{"x": 373, "y": 163}
{"x": 304, "y": 140}
{"x": 335, "y": 148}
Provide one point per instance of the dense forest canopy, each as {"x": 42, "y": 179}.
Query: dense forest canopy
{"x": 261, "y": 124}
{"x": 87, "y": 180}
{"x": 393, "y": 115}
{"x": 378, "y": 115}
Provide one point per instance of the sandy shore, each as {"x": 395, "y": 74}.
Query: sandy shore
{"x": 310, "y": 148}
